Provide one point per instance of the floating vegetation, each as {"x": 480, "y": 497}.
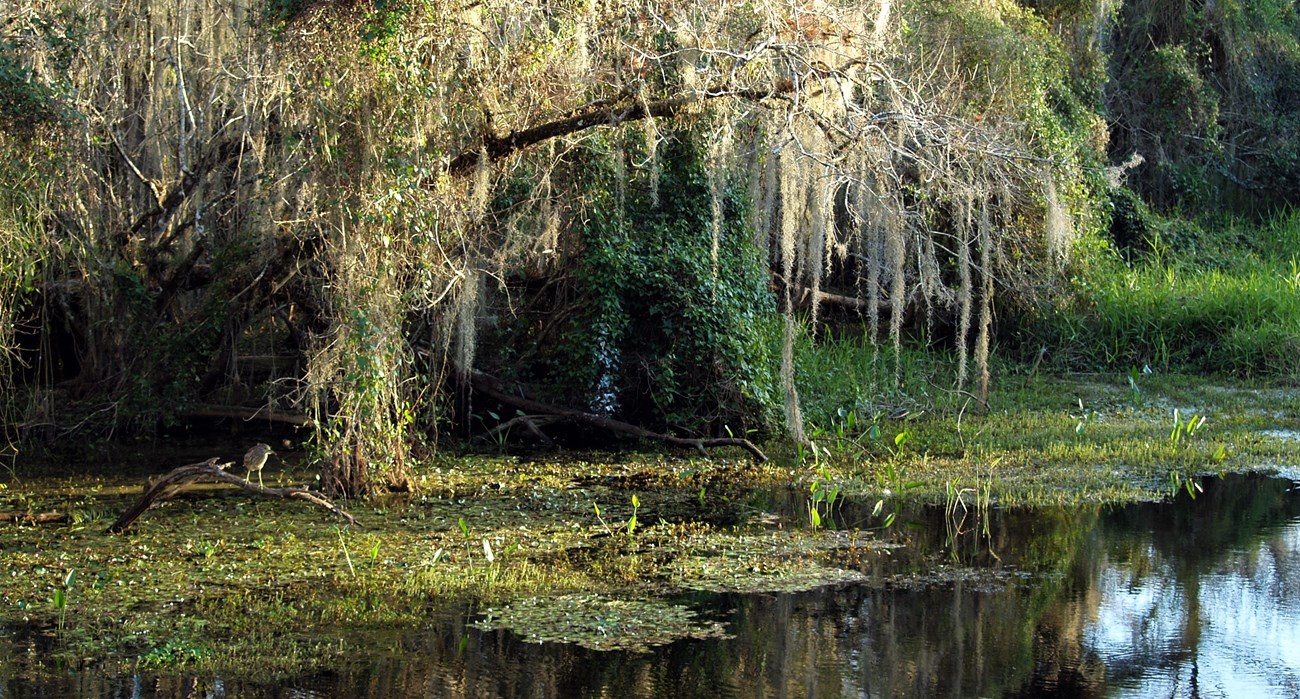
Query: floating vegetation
{"x": 214, "y": 579}
{"x": 599, "y": 622}
{"x": 769, "y": 579}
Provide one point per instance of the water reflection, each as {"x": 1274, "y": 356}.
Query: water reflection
{"x": 1193, "y": 598}
{"x": 1203, "y": 600}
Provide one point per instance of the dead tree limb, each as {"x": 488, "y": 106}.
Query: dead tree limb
{"x": 491, "y": 387}
{"x": 249, "y": 414}
{"x": 612, "y": 111}
{"x": 34, "y": 517}
{"x": 532, "y": 423}
{"x": 803, "y": 299}
{"x": 170, "y": 484}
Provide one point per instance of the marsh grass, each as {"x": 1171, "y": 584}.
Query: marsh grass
{"x": 1225, "y": 303}
{"x": 1042, "y": 440}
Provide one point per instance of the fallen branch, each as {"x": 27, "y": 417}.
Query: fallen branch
{"x": 249, "y": 414}
{"x": 170, "y": 484}
{"x": 34, "y": 517}
{"x": 532, "y": 423}
{"x": 803, "y": 299}
{"x": 491, "y": 387}
{"x": 619, "y": 109}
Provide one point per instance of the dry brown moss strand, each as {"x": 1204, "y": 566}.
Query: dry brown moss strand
{"x": 793, "y": 413}
{"x": 792, "y": 202}
{"x": 986, "y": 302}
{"x": 1059, "y": 227}
{"x": 815, "y": 254}
{"x": 467, "y": 306}
{"x": 793, "y": 197}
{"x": 965, "y": 289}
{"x": 874, "y": 258}
{"x": 894, "y": 233}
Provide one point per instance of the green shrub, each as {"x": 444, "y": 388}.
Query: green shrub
{"x": 653, "y": 335}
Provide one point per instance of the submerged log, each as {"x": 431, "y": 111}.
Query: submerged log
{"x": 171, "y": 484}
{"x": 491, "y": 387}
{"x": 34, "y": 517}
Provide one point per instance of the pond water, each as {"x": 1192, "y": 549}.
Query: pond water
{"x": 1191, "y": 598}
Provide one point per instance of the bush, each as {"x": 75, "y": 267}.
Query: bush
{"x": 653, "y": 335}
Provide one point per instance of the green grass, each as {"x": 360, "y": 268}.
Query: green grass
{"x": 1062, "y": 441}
{"x": 1224, "y": 302}
{"x": 837, "y": 378}
{"x": 1042, "y": 440}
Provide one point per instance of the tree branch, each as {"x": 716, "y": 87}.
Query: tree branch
{"x": 623, "y": 109}
{"x": 170, "y": 484}
{"x": 491, "y": 387}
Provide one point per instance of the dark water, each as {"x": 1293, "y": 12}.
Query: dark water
{"x": 1193, "y": 598}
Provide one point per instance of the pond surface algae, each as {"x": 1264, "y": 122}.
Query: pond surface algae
{"x": 607, "y": 552}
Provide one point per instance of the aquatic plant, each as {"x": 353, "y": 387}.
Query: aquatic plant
{"x": 631, "y": 521}
{"x": 1184, "y": 430}
{"x": 957, "y": 511}
{"x": 61, "y": 595}
{"x": 346, "y": 554}
{"x": 822, "y": 497}
{"x": 464, "y": 532}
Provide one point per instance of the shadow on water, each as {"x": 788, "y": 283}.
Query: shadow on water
{"x": 1195, "y": 597}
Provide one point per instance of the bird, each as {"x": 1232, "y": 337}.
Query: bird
{"x": 255, "y": 459}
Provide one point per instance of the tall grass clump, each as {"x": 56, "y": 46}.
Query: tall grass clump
{"x": 1234, "y": 313}
{"x": 839, "y": 376}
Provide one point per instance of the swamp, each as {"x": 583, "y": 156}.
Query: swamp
{"x": 1034, "y": 573}
{"x": 511, "y": 348}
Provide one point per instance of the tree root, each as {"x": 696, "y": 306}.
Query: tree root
{"x": 171, "y": 484}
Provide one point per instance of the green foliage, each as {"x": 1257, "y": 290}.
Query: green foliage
{"x": 382, "y": 25}
{"x": 1207, "y": 92}
{"x": 655, "y": 337}
{"x": 823, "y": 494}
{"x": 1194, "y": 303}
{"x": 280, "y": 11}
{"x": 28, "y": 99}
{"x": 847, "y": 384}
{"x": 1037, "y": 89}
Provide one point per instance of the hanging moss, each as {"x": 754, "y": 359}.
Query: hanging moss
{"x": 658, "y": 332}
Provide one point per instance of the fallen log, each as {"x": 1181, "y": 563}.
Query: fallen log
{"x": 249, "y": 414}
{"x": 803, "y": 299}
{"x": 34, "y": 517}
{"x": 490, "y": 386}
{"x": 533, "y": 424}
{"x": 171, "y": 484}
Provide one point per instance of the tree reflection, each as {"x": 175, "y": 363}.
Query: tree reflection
{"x": 1194, "y": 597}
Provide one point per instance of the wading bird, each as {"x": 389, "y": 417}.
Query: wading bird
{"x": 255, "y": 459}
